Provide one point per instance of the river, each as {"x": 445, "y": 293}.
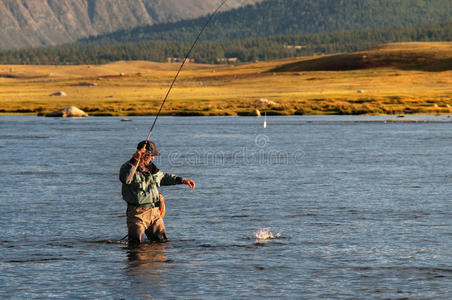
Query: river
{"x": 358, "y": 208}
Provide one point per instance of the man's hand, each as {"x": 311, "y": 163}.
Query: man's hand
{"x": 189, "y": 182}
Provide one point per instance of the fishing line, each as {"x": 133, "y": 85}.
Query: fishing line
{"x": 182, "y": 65}
{"x": 129, "y": 179}
{"x": 132, "y": 173}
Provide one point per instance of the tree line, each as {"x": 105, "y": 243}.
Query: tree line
{"x": 240, "y": 50}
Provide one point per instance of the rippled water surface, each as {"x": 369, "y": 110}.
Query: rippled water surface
{"x": 358, "y": 208}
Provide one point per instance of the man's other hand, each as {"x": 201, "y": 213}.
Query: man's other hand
{"x": 191, "y": 184}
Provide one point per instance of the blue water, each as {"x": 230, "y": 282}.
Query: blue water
{"x": 363, "y": 209}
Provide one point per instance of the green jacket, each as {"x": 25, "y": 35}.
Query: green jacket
{"x": 142, "y": 191}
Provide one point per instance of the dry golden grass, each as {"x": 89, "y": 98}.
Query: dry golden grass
{"x": 402, "y": 78}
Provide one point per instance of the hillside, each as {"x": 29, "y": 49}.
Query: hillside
{"x": 231, "y": 52}
{"x": 50, "y": 22}
{"x": 434, "y": 57}
{"x": 286, "y": 17}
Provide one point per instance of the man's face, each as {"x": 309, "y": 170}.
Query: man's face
{"x": 147, "y": 158}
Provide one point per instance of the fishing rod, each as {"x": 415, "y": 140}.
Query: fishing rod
{"x": 182, "y": 65}
{"x": 129, "y": 179}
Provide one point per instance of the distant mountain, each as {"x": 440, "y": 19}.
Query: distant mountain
{"x": 283, "y": 17}
{"x": 266, "y": 30}
{"x": 31, "y": 23}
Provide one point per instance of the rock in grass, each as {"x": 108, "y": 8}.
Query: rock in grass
{"x": 59, "y": 93}
{"x": 264, "y": 101}
{"x": 70, "y": 112}
{"x": 86, "y": 84}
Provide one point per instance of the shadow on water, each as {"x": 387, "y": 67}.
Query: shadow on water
{"x": 148, "y": 255}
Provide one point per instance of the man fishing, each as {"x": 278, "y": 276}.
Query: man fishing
{"x": 140, "y": 179}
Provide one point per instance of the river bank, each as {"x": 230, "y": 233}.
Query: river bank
{"x": 396, "y": 79}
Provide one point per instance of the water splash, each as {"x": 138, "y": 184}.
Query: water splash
{"x": 265, "y": 234}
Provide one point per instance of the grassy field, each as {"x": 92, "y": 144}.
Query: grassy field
{"x": 408, "y": 78}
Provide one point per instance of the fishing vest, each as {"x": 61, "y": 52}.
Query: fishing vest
{"x": 143, "y": 190}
